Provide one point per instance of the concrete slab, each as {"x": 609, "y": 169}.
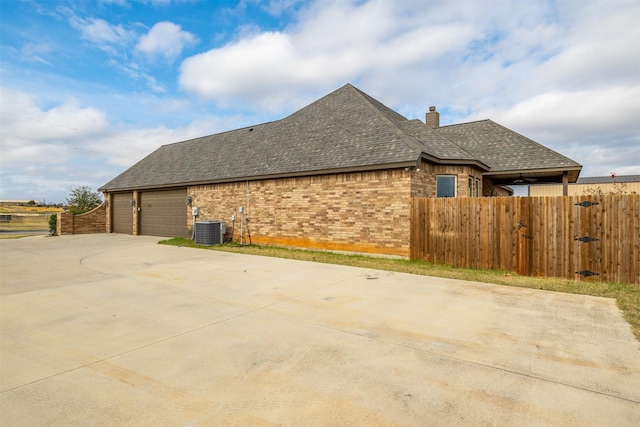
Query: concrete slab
{"x": 115, "y": 329}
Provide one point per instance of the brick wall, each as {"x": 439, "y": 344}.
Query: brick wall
{"x": 494, "y": 190}
{"x": 423, "y": 183}
{"x": 360, "y": 212}
{"x": 64, "y": 223}
{"x": 94, "y": 221}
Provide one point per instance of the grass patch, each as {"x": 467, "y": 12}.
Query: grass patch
{"x": 626, "y": 295}
{"x": 30, "y": 209}
{"x": 25, "y": 222}
{"x": 14, "y": 236}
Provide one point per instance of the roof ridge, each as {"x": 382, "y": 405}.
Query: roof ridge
{"x": 419, "y": 145}
{"x": 471, "y": 156}
{"x": 429, "y": 149}
{"x": 374, "y": 105}
{"x": 465, "y": 123}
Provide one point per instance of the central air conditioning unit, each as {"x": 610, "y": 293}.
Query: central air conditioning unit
{"x": 209, "y": 232}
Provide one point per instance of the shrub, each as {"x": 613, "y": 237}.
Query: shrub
{"x": 53, "y": 223}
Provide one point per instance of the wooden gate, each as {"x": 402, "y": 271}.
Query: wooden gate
{"x": 573, "y": 237}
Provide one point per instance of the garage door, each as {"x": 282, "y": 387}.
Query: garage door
{"x": 122, "y": 213}
{"x": 164, "y": 213}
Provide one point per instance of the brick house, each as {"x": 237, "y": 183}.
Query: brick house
{"x": 339, "y": 174}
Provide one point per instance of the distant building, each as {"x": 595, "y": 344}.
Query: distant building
{"x": 19, "y": 202}
{"x": 623, "y": 184}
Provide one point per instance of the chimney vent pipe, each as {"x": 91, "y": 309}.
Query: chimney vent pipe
{"x": 433, "y": 118}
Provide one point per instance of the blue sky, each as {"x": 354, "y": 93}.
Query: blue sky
{"x": 89, "y": 88}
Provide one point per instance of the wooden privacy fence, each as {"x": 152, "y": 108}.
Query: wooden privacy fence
{"x": 573, "y": 237}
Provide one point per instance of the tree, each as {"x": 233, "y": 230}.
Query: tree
{"x": 82, "y": 199}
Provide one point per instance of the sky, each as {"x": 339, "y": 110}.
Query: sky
{"x": 88, "y": 88}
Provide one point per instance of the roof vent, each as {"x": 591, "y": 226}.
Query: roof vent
{"x": 433, "y": 118}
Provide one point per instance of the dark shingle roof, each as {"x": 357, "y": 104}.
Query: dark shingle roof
{"x": 345, "y": 130}
{"x": 503, "y": 149}
{"x": 434, "y": 144}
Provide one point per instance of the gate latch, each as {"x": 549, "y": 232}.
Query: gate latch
{"x": 587, "y": 273}
{"x": 587, "y": 203}
{"x": 587, "y": 239}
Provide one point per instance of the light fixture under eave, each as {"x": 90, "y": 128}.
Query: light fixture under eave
{"x": 523, "y": 180}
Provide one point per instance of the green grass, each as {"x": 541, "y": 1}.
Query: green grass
{"x": 626, "y": 295}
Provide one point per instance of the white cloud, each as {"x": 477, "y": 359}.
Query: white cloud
{"x": 165, "y": 39}
{"x": 57, "y": 137}
{"x": 118, "y": 2}
{"x": 331, "y": 44}
{"x": 597, "y": 128}
{"x": 580, "y": 113}
{"x": 102, "y": 33}
{"x": 24, "y": 118}
{"x": 49, "y": 150}
{"x": 278, "y": 7}
{"x": 135, "y": 72}
{"x": 407, "y": 49}
{"x": 260, "y": 69}
{"x": 460, "y": 54}
{"x": 565, "y": 74}
{"x": 600, "y": 47}
{"x": 35, "y": 52}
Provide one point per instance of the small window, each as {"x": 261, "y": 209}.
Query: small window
{"x": 446, "y": 186}
{"x": 470, "y": 186}
{"x": 478, "y": 192}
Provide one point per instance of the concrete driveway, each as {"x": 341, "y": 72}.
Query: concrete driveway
{"x": 117, "y": 330}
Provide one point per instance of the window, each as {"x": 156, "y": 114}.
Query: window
{"x": 474, "y": 187}
{"x": 446, "y": 186}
